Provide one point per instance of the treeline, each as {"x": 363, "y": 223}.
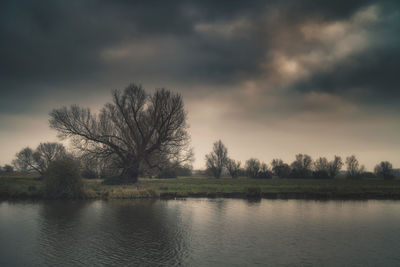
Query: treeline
{"x": 218, "y": 161}
{"x": 38, "y": 160}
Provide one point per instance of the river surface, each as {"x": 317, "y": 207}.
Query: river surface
{"x": 200, "y": 232}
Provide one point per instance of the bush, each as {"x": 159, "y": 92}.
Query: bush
{"x": 300, "y": 174}
{"x": 63, "y": 180}
{"x": 8, "y": 168}
{"x": 167, "y": 173}
{"x": 320, "y": 174}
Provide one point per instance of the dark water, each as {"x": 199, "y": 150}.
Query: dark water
{"x": 200, "y": 232}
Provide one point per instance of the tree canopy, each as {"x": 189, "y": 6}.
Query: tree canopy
{"x": 137, "y": 130}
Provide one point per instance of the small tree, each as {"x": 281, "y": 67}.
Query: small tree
{"x": 8, "y": 168}
{"x": 384, "y": 170}
{"x": 353, "y": 167}
{"x": 39, "y": 160}
{"x": 301, "y": 167}
{"x": 253, "y": 167}
{"x": 233, "y": 168}
{"x": 216, "y": 160}
{"x": 264, "y": 171}
{"x": 321, "y": 168}
{"x": 280, "y": 169}
{"x": 334, "y": 167}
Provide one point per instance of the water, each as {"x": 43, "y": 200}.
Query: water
{"x": 200, "y": 232}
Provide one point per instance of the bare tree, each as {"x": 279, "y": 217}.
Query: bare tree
{"x": 264, "y": 171}
{"x": 301, "y": 167}
{"x": 384, "y": 170}
{"x": 280, "y": 169}
{"x": 216, "y": 160}
{"x": 135, "y": 130}
{"x": 321, "y": 168}
{"x": 353, "y": 167}
{"x": 321, "y": 164}
{"x": 39, "y": 160}
{"x": 233, "y": 167}
{"x": 335, "y": 166}
{"x": 253, "y": 167}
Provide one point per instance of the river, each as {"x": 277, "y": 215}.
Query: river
{"x": 200, "y": 232}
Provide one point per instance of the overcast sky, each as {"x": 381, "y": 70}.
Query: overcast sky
{"x": 268, "y": 78}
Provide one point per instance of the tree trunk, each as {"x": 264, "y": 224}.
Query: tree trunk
{"x": 130, "y": 175}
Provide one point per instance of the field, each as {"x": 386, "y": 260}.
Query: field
{"x": 29, "y": 186}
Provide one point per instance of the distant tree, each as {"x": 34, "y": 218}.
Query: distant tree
{"x": 280, "y": 169}
{"x": 354, "y": 170}
{"x": 335, "y": 166}
{"x": 321, "y": 168}
{"x": 253, "y": 167}
{"x": 384, "y": 170}
{"x": 8, "y": 168}
{"x": 301, "y": 167}
{"x": 135, "y": 131}
{"x": 233, "y": 167}
{"x": 39, "y": 159}
{"x": 216, "y": 160}
{"x": 184, "y": 170}
{"x": 174, "y": 170}
{"x": 264, "y": 171}
{"x": 167, "y": 173}
{"x": 321, "y": 164}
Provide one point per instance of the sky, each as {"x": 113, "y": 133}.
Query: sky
{"x": 269, "y": 78}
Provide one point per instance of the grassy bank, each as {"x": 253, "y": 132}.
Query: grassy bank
{"x": 29, "y": 186}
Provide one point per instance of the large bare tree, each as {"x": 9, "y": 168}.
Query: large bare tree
{"x": 133, "y": 131}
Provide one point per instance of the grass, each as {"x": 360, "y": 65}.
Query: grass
{"x": 29, "y": 186}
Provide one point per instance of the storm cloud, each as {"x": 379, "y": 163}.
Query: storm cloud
{"x": 313, "y": 77}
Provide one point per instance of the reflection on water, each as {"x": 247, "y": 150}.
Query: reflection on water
{"x": 200, "y": 232}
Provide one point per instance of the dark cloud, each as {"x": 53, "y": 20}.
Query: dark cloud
{"x": 369, "y": 77}
{"x": 49, "y": 41}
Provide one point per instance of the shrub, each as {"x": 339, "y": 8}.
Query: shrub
{"x": 167, "y": 173}
{"x": 8, "y": 168}
{"x": 62, "y": 179}
{"x": 321, "y": 174}
{"x": 369, "y": 175}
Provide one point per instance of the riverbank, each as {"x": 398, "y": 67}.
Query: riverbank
{"x": 29, "y": 186}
